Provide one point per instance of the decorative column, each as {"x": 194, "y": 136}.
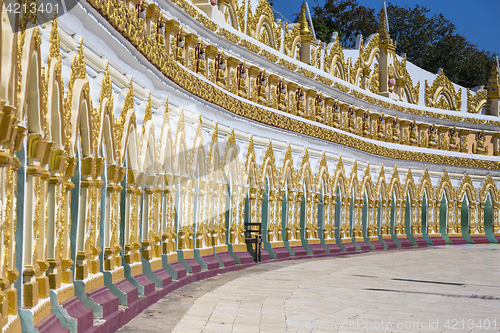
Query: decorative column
{"x": 457, "y": 227}
{"x": 375, "y": 206}
{"x": 220, "y": 225}
{"x": 298, "y": 204}
{"x": 429, "y": 219}
{"x": 289, "y": 228}
{"x": 182, "y": 215}
{"x": 418, "y": 213}
{"x": 472, "y": 218}
{"x": 202, "y": 212}
{"x": 449, "y": 220}
{"x": 272, "y": 218}
{"x": 383, "y": 218}
{"x": 357, "y": 219}
{"x": 279, "y": 203}
{"x": 346, "y": 211}
{"x": 480, "y": 218}
{"x": 309, "y": 215}
{"x": 189, "y": 222}
{"x": 331, "y": 217}
{"x": 369, "y": 219}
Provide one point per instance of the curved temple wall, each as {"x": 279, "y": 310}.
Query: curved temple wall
{"x": 128, "y": 171}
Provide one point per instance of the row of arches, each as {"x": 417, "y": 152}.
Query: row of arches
{"x": 86, "y": 195}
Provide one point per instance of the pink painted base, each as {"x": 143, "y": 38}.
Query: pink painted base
{"x": 405, "y": 243}
{"x": 164, "y": 277}
{"x": 226, "y": 259}
{"x": 420, "y": 241}
{"x": 264, "y": 256}
{"x": 281, "y": 253}
{"x": 51, "y": 324}
{"x": 437, "y": 241}
{"x": 363, "y": 246}
{"x": 390, "y": 244}
{"x": 481, "y": 239}
{"x": 349, "y": 247}
{"x": 334, "y": 249}
{"x": 211, "y": 261}
{"x": 195, "y": 266}
{"x": 106, "y": 299}
{"x": 245, "y": 257}
{"x": 149, "y": 286}
{"x": 317, "y": 249}
{"x": 129, "y": 289}
{"x": 179, "y": 269}
{"x": 299, "y": 251}
{"x": 458, "y": 241}
{"x": 83, "y": 315}
{"x": 377, "y": 245}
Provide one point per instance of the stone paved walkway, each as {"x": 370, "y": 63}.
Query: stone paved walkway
{"x": 440, "y": 289}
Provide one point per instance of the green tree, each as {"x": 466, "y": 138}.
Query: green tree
{"x": 430, "y": 42}
{"x": 346, "y": 17}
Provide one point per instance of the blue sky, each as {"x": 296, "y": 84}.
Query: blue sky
{"x": 477, "y": 20}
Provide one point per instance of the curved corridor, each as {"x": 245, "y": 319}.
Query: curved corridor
{"x": 396, "y": 291}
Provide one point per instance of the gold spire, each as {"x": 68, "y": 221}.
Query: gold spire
{"x": 54, "y": 48}
{"x": 382, "y": 26}
{"x": 166, "y": 119}
{"x": 305, "y": 32}
{"x": 148, "y": 114}
{"x": 493, "y": 84}
{"x": 129, "y": 98}
{"x": 80, "y": 61}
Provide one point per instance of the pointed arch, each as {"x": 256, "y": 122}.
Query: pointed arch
{"x": 104, "y": 121}
{"x": 466, "y": 188}
{"x": 410, "y": 187}
{"x": 55, "y": 106}
{"x": 32, "y": 89}
{"x": 305, "y": 173}
{"x": 490, "y": 187}
{"x": 382, "y": 190}
{"x": 167, "y": 149}
{"x": 269, "y": 169}
{"x": 425, "y": 186}
{"x": 340, "y": 179}
{"x": 287, "y": 171}
{"x": 395, "y": 185}
{"x": 322, "y": 176}
{"x": 181, "y": 166}
{"x": 251, "y": 166}
{"x": 367, "y": 186}
{"x": 353, "y": 181}
{"x": 214, "y": 155}
{"x": 444, "y": 186}
{"x": 230, "y": 159}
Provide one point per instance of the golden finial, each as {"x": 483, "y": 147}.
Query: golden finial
{"x": 181, "y": 124}
{"x": 129, "y": 99}
{"x": 166, "y": 114}
{"x": 493, "y": 84}
{"x": 54, "y": 48}
{"x": 80, "y": 61}
{"x": 303, "y": 24}
{"x": 215, "y": 134}
{"x": 148, "y": 114}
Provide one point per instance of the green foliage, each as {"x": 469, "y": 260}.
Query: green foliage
{"x": 346, "y": 17}
{"x": 430, "y": 42}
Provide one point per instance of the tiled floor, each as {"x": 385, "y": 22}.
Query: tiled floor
{"x": 442, "y": 289}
